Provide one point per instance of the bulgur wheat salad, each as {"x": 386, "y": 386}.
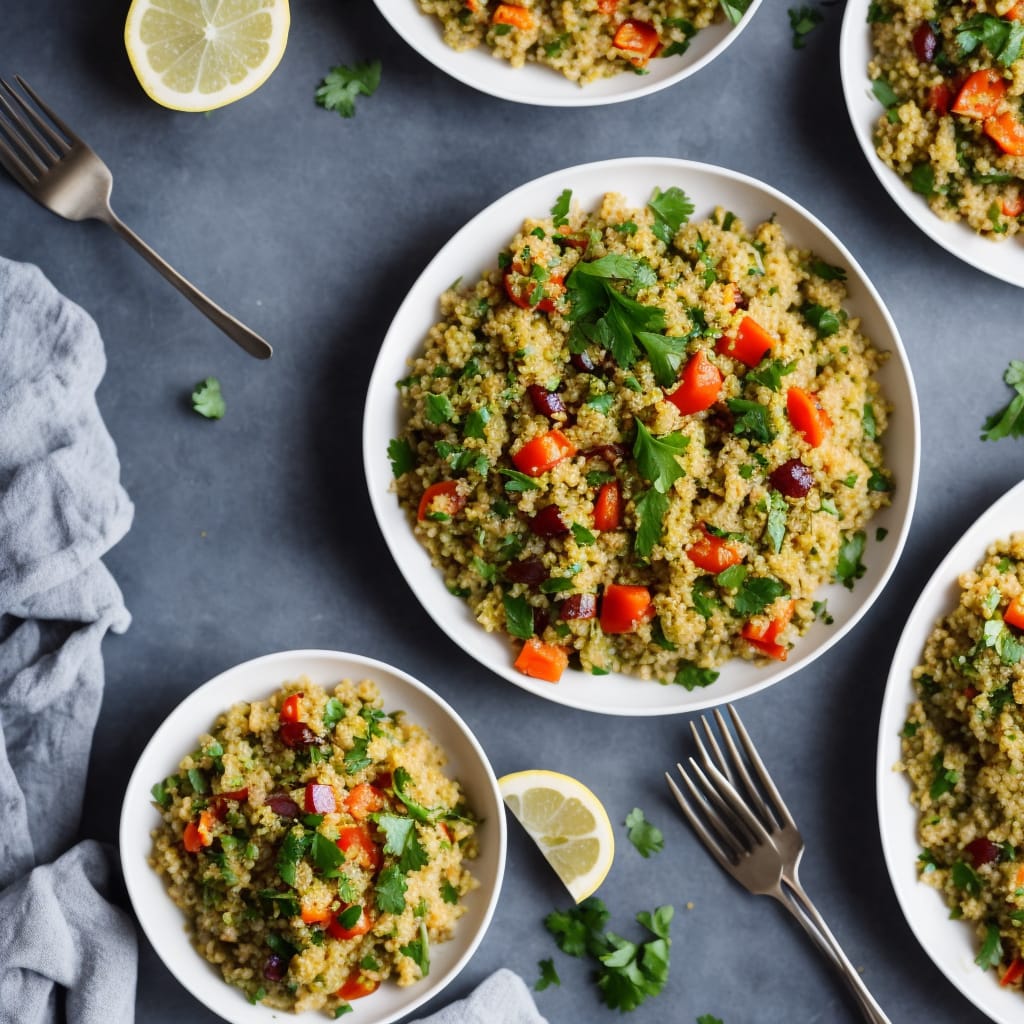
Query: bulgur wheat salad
{"x": 584, "y": 41}
{"x": 315, "y": 846}
{"x": 951, "y": 77}
{"x": 963, "y": 751}
{"x": 642, "y": 443}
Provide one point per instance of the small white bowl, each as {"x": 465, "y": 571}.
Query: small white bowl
{"x": 467, "y": 255}
{"x": 950, "y": 944}
{"x": 543, "y": 86}
{"x": 1004, "y": 260}
{"x": 164, "y": 923}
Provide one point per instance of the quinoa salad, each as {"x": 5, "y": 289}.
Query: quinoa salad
{"x": 962, "y": 750}
{"x": 315, "y": 846}
{"x": 641, "y": 443}
{"x": 584, "y": 41}
{"x": 951, "y": 79}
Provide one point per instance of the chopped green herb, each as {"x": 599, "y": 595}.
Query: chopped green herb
{"x": 518, "y": 616}
{"x": 657, "y": 457}
{"x": 770, "y": 373}
{"x": 419, "y": 951}
{"x": 448, "y": 892}
{"x": 1002, "y": 38}
{"x": 775, "y": 526}
{"x": 560, "y": 211}
{"x": 390, "y": 890}
{"x": 207, "y": 399}
{"x": 402, "y": 841}
{"x": 548, "y": 975}
{"x": 849, "y": 566}
{"x": 868, "y": 422}
{"x": 1009, "y": 421}
{"x": 751, "y": 418}
{"x": 820, "y": 609}
{"x": 198, "y": 781}
{"x": 650, "y": 511}
{"x": 518, "y": 481}
{"x": 334, "y": 712}
{"x": 991, "y": 952}
{"x": 827, "y": 271}
{"x": 672, "y": 209}
{"x": 476, "y": 421}
{"x": 341, "y": 85}
{"x": 582, "y": 535}
{"x": 803, "y": 21}
{"x": 944, "y": 780}
{"x": 734, "y": 9}
{"x": 824, "y": 320}
{"x": 647, "y": 838}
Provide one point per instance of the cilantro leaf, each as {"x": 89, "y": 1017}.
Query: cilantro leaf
{"x": 657, "y": 457}
{"x": 292, "y": 850}
{"x": 518, "y": 616}
{"x": 1001, "y": 37}
{"x": 401, "y": 456}
{"x": 334, "y": 712}
{"x": 326, "y": 855}
{"x": 400, "y": 782}
{"x": 341, "y": 85}
{"x": 769, "y": 373}
{"x": 439, "y": 409}
{"x": 390, "y": 890}
{"x": 944, "y": 780}
{"x": 419, "y": 951}
{"x": 650, "y": 511}
{"x": 803, "y": 21}
{"x": 966, "y": 878}
{"x": 578, "y": 930}
{"x": 692, "y": 677}
{"x": 991, "y": 952}
{"x": 751, "y": 418}
{"x": 775, "y": 527}
{"x": 560, "y": 211}
{"x": 476, "y": 421}
{"x": 1008, "y": 422}
{"x": 756, "y": 593}
{"x": 734, "y": 9}
{"x": 632, "y": 972}
{"x": 402, "y": 841}
{"x": 449, "y": 893}
{"x": 548, "y": 975}
{"x": 664, "y": 354}
{"x": 518, "y": 482}
{"x": 824, "y": 320}
{"x": 672, "y": 209}
{"x": 207, "y": 399}
{"x": 849, "y": 566}
{"x": 646, "y": 837}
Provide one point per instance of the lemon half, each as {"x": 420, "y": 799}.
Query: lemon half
{"x": 567, "y": 822}
{"x": 203, "y": 54}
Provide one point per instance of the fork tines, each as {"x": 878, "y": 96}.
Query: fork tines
{"x": 29, "y": 145}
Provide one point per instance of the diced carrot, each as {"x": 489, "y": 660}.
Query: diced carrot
{"x": 1014, "y": 614}
{"x": 608, "y": 507}
{"x": 750, "y": 344}
{"x": 198, "y": 833}
{"x": 363, "y": 800}
{"x": 980, "y": 95}
{"x": 763, "y": 633}
{"x": 1006, "y": 132}
{"x": 1013, "y": 207}
{"x": 699, "y": 386}
{"x": 360, "y": 926}
{"x": 1020, "y": 876}
{"x": 608, "y": 7}
{"x": 443, "y": 497}
{"x": 807, "y": 415}
{"x": 290, "y": 705}
{"x": 624, "y": 607}
{"x": 514, "y": 15}
{"x": 1013, "y": 973}
{"x": 356, "y": 986}
{"x": 542, "y": 661}
{"x": 521, "y": 288}
{"x": 940, "y": 98}
{"x": 315, "y": 915}
{"x": 358, "y": 846}
{"x": 637, "y": 37}
{"x": 542, "y": 453}
{"x": 714, "y": 554}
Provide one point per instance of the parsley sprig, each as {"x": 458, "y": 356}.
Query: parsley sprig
{"x": 341, "y": 85}
{"x": 647, "y": 838}
{"x": 1009, "y": 421}
{"x": 1002, "y": 38}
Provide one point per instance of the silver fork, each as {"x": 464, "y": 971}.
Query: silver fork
{"x": 54, "y": 166}
{"x": 754, "y": 837}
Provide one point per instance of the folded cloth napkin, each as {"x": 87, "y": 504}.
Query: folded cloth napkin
{"x": 61, "y": 508}
{"x": 503, "y": 998}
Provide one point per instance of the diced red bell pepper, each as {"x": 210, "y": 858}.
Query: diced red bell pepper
{"x": 360, "y": 926}
{"x": 290, "y": 708}
{"x": 807, "y": 415}
{"x": 356, "y": 986}
{"x": 444, "y": 496}
{"x": 639, "y": 38}
{"x": 315, "y": 915}
{"x": 1007, "y": 132}
{"x": 363, "y": 800}
{"x": 319, "y": 799}
{"x": 763, "y": 634}
{"x": 714, "y": 554}
{"x": 1015, "y": 971}
{"x": 198, "y": 833}
{"x": 608, "y": 506}
{"x": 1014, "y": 614}
{"x": 542, "y": 453}
{"x": 356, "y": 842}
{"x": 542, "y": 661}
{"x": 624, "y": 607}
{"x": 750, "y": 344}
{"x": 699, "y": 385}
{"x": 1013, "y": 207}
{"x": 980, "y": 95}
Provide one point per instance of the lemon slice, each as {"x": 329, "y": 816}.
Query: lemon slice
{"x": 203, "y": 54}
{"x": 567, "y": 822}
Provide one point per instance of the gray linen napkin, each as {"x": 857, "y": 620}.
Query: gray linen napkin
{"x": 503, "y": 998}
{"x": 61, "y": 508}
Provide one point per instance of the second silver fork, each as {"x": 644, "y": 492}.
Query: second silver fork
{"x": 754, "y": 838}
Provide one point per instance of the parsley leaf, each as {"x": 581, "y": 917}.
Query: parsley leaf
{"x": 646, "y": 837}
{"x": 439, "y": 409}
{"x": 291, "y": 852}
{"x": 548, "y": 975}
{"x": 401, "y": 841}
{"x": 751, "y": 418}
{"x": 390, "y": 890}
{"x": 944, "y": 780}
{"x": 419, "y": 951}
{"x": 1002, "y": 38}
{"x": 849, "y": 566}
{"x": 991, "y": 952}
{"x": 824, "y": 320}
{"x": 775, "y": 528}
{"x": 518, "y": 616}
{"x": 334, "y": 712}
{"x": 650, "y": 511}
{"x": 827, "y": 271}
{"x": 207, "y": 399}
{"x": 400, "y": 782}
{"x": 401, "y": 455}
{"x": 803, "y": 21}
{"x": 476, "y": 421}
{"x": 756, "y": 593}
{"x": 518, "y": 481}
{"x": 578, "y": 930}
{"x": 672, "y": 209}
{"x": 341, "y": 86}
{"x": 966, "y": 878}
{"x": 734, "y": 9}
{"x": 691, "y": 676}
{"x": 922, "y": 179}
{"x": 664, "y": 354}
{"x": 632, "y": 972}
{"x": 770, "y": 372}
{"x": 1008, "y": 422}
{"x": 449, "y": 893}
{"x": 326, "y": 855}
{"x": 560, "y": 211}
{"x": 657, "y": 457}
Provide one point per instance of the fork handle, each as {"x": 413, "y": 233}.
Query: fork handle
{"x": 241, "y": 335}
{"x": 796, "y": 901}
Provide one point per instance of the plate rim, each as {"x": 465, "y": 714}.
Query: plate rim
{"x": 677, "y": 167}
{"x": 963, "y": 556}
{"x": 445, "y": 59}
{"x": 137, "y": 787}
{"x": 956, "y": 237}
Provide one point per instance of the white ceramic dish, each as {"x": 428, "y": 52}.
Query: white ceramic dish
{"x": 163, "y": 922}
{"x": 468, "y": 254}
{"x": 1004, "y": 260}
{"x": 542, "y": 86}
{"x": 950, "y": 944}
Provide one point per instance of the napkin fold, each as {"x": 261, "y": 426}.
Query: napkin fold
{"x": 61, "y": 508}
{"x": 503, "y": 998}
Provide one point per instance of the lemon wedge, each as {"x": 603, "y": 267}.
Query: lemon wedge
{"x": 567, "y": 822}
{"x": 203, "y": 54}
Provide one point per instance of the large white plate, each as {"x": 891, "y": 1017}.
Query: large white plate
{"x": 543, "y": 86}
{"x": 950, "y": 944}
{"x": 1004, "y": 260}
{"x": 467, "y": 255}
{"x": 164, "y": 923}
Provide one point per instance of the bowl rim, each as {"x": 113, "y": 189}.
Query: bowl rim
{"x": 240, "y": 681}
{"x": 948, "y": 944}
{"x": 956, "y": 237}
{"x": 496, "y": 77}
{"x": 509, "y": 208}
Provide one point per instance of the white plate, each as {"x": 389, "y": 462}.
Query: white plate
{"x": 467, "y": 255}
{"x": 542, "y": 86}
{"x": 164, "y": 923}
{"x": 950, "y": 944}
{"x": 1004, "y": 260}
